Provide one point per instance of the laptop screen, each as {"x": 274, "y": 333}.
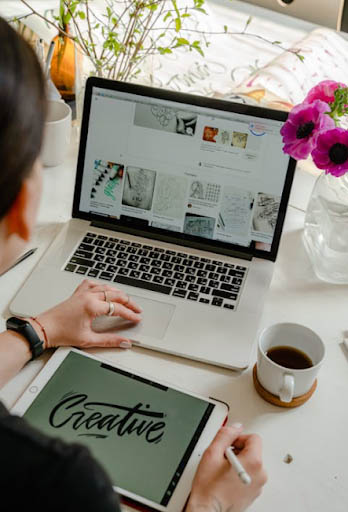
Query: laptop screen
{"x": 183, "y": 168}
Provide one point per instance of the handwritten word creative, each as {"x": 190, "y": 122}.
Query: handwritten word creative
{"x": 98, "y": 419}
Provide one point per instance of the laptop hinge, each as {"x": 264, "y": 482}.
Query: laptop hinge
{"x": 164, "y": 238}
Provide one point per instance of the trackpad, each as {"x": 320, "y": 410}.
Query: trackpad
{"x": 155, "y": 320}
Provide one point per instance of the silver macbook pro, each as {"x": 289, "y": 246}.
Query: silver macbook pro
{"x": 179, "y": 200}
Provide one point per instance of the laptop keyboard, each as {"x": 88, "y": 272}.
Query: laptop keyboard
{"x": 182, "y": 275}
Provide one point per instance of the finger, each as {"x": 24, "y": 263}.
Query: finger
{"x": 85, "y": 285}
{"x": 121, "y": 297}
{"x": 225, "y": 438}
{"x": 252, "y": 448}
{"x": 110, "y": 340}
{"x": 102, "y": 308}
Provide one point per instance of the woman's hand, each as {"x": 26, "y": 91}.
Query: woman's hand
{"x": 216, "y": 486}
{"x": 70, "y": 322}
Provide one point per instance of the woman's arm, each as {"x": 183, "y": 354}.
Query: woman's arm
{"x": 70, "y": 323}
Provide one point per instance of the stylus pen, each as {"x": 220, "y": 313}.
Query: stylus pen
{"x": 22, "y": 258}
{"x": 236, "y": 464}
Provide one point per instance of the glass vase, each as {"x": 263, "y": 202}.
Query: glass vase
{"x": 326, "y": 228}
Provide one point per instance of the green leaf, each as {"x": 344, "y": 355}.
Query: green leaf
{"x": 182, "y": 41}
{"x": 225, "y": 28}
{"x": 81, "y": 15}
{"x": 177, "y": 25}
{"x": 168, "y": 15}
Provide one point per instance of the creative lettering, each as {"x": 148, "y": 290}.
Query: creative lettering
{"x": 98, "y": 419}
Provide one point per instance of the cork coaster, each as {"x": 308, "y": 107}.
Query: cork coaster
{"x": 273, "y": 399}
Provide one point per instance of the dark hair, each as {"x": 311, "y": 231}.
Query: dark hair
{"x": 22, "y": 113}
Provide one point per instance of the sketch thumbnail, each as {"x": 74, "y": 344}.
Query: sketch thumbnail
{"x": 166, "y": 119}
{"x": 224, "y": 137}
{"x": 265, "y": 213}
{"x": 170, "y": 196}
{"x": 138, "y": 188}
{"x": 210, "y": 133}
{"x": 107, "y": 181}
{"x": 239, "y": 140}
{"x": 205, "y": 191}
{"x": 235, "y": 211}
{"x": 198, "y": 225}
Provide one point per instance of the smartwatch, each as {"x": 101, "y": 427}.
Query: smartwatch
{"x": 28, "y": 332}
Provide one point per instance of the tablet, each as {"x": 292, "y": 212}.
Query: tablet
{"x": 148, "y": 435}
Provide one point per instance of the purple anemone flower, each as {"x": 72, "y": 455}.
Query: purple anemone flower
{"x": 323, "y": 91}
{"x": 303, "y": 126}
{"x": 331, "y": 151}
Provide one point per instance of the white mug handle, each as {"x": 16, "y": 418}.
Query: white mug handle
{"x": 286, "y": 392}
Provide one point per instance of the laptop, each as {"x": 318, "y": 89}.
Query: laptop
{"x": 180, "y": 201}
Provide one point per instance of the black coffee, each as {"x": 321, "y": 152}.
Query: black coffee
{"x": 289, "y": 357}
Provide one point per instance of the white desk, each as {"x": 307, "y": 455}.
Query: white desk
{"x": 314, "y": 434}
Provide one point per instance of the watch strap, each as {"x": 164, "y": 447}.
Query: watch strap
{"x": 28, "y": 332}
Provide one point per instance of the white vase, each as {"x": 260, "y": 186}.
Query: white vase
{"x": 326, "y": 228}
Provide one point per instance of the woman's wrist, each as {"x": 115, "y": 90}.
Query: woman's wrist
{"x": 40, "y": 329}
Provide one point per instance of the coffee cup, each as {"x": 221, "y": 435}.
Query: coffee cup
{"x": 289, "y": 357}
{"x": 56, "y": 134}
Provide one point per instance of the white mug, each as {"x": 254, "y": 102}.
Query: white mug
{"x": 56, "y": 134}
{"x": 288, "y": 383}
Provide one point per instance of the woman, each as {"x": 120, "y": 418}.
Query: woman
{"x": 36, "y": 470}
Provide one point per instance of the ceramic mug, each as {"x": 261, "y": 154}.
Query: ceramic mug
{"x": 280, "y": 380}
{"x": 56, "y": 134}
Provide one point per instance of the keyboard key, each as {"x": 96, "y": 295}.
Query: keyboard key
{"x": 171, "y": 253}
{"x": 216, "y": 262}
{"x": 204, "y": 301}
{"x": 213, "y": 275}
{"x": 144, "y": 260}
{"x": 121, "y": 263}
{"x": 87, "y": 240}
{"x": 221, "y": 270}
{"x": 236, "y": 273}
{"x": 115, "y": 240}
{"x": 156, "y": 263}
{"x": 102, "y": 237}
{"x": 181, "y": 284}
{"x": 155, "y": 287}
{"x": 190, "y": 279}
{"x": 214, "y": 284}
{"x": 187, "y": 262}
{"x": 193, "y": 257}
{"x": 112, "y": 268}
{"x": 217, "y": 302}
{"x": 106, "y": 275}
{"x": 122, "y": 255}
{"x": 236, "y": 280}
{"x": 91, "y": 235}
{"x": 81, "y": 261}
{"x": 70, "y": 267}
{"x": 179, "y": 275}
{"x": 224, "y": 295}
{"x": 142, "y": 252}
{"x": 144, "y": 268}
{"x": 100, "y": 266}
{"x": 111, "y": 252}
{"x": 169, "y": 282}
{"x": 132, "y": 265}
{"x": 123, "y": 271}
{"x": 202, "y": 281}
{"x": 158, "y": 249}
{"x": 179, "y": 268}
{"x": 190, "y": 271}
{"x": 131, "y": 250}
{"x": 179, "y": 293}
{"x": 228, "y": 265}
{"x": 109, "y": 260}
{"x": 225, "y": 279}
{"x": 135, "y": 244}
{"x": 176, "y": 260}
{"x": 93, "y": 272}
{"x": 133, "y": 257}
{"x": 193, "y": 287}
{"x": 148, "y": 247}
{"x": 202, "y": 273}
{"x": 193, "y": 296}
{"x": 146, "y": 277}
{"x": 134, "y": 274}
{"x": 153, "y": 255}
{"x": 167, "y": 273}
{"x": 81, "y": 270}
{"x": 182, "y": 255}
{"x": 100, "y": 250}
{"x": 228, "y": 306}
{"x": 167, "y": 266}
{"x": 229, "y": 287}
{"x": 121, "y": 247}
{"x": 86, "y": 247}
{"x": 164, "y": 257}
{"x": 158, "y": 279}
{"x": 98, "y": 243}
{"x": 155, "y": 271}
{"x": 210, "y": 268}
{"x": 205, "y": 289}
{"x": 238, "y": 267}
{"x": 125, "y": 242}
{"x": 109, "y": 245}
